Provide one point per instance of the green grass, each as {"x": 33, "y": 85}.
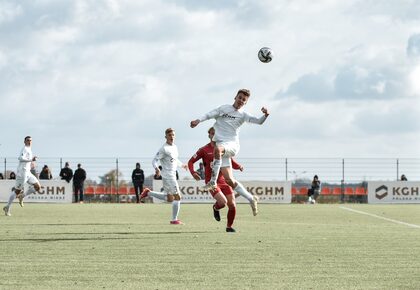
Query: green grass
{"x": 119, "y": 246}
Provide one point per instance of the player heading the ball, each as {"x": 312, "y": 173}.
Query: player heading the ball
{"x": 229, "y": 118}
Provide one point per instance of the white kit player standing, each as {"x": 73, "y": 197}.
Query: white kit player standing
{"x": 23, "y": 175}
{"x": 229, "y": 118}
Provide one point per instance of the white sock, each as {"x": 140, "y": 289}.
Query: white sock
{"x": 11, "y": 199}
{"x": 176, "y": 204}
{"x": 243, "y": 192}
{"x": 158, "y": 195}
{"x": 30, "y": 190}
{"x": 217, "y": 163}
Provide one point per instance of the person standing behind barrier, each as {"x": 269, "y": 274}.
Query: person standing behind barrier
{"x": 313, "y": 192}
{"x": 45, "y": 173}
{"x": 137, "y": 177}
{"x": 403, "y": 178}
{"x": 78, "y": 183}
{"x": 66, "y": 173}
{"x": 12, "y": 175}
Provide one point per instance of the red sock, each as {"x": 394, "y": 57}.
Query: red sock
{"x": 218, "y": 206}
{"x": 231, "y": 216}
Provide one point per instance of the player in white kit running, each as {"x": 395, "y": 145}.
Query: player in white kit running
{"x": 167, "y": 156}
{"x": 229, "y": 119}
{"x": 23, "y": 175}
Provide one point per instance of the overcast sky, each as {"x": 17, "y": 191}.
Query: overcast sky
{"x": 106, "y": 78}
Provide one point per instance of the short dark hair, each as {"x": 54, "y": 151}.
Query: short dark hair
{"x": 27, "y": 137}
{"x": 169, "y": 130}
{"x": 246, "y": 92}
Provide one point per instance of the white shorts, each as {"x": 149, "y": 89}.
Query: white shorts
{"x": 26, "y": 177}
{"x": 231, "y": 149}
{"x": 170, "y": 186}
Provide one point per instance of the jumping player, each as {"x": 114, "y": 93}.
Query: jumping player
{"x": 223, "y": 193}
{"x": 229, "y": 119}
{"x": 167, "y": 156}
{"x": 23, "y": 176}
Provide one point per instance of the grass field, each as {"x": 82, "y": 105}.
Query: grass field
{"x": 119, "y": 246}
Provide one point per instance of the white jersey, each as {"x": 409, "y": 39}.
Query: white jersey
{"x": 228, "y": 120}
{"x": 25, "y": 159}
{"x": 167, "y": 156}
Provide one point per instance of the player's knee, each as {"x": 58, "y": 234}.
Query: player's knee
{"x": 231, "y": 182}
{"x": 231, "y": 205}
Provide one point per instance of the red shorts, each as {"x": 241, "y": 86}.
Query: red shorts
{"x": 224, "y": 188}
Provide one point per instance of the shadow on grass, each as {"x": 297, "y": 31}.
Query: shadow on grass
{"x": 101, "y": 238}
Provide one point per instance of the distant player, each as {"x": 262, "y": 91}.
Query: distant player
{"x": 23, "y": 175}
{"x": 229, "y": 119}
{"x": 167, "y": 156}
{"x": 223, "y": 193}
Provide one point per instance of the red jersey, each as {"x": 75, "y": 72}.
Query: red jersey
{"x": 206, "y": 153}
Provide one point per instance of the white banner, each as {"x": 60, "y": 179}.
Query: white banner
{"x": 267, "y": 191}
{"x": 393, "y": 192}
{"x": 52, "y": 191}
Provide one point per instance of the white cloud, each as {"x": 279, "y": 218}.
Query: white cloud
{"x": 126, "y": 70}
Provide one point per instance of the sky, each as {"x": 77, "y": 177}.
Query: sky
{"x": 106, "y": 78}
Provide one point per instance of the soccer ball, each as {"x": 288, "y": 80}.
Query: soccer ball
{"x": 265, "y": 54}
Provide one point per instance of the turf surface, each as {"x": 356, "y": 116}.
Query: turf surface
{"x": 120, "y": 246}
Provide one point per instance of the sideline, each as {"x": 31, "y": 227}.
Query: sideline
{"x": 381, "y": 217}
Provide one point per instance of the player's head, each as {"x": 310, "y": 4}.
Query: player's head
{"x": 211, "y": 132}
{"x": 28, "y": 141}
{"x": 241, "y": 98}
{"x": 170, "y": 136}
{"x": 137, "y": 165}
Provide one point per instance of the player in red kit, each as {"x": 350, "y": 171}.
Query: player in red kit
{"x": 223, "y": 193}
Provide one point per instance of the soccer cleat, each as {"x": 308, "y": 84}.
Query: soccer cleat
{"x": 209, "y": 186}
{"x": 254, "y": 205}
{"x": 176, "y": 222}
{"x": 216, "y": 214}
{"x": 6, "y": 211}
{"x": 230, "y": 230}
{"x": 20, "y": 197}
{"x": 144, "y": 193}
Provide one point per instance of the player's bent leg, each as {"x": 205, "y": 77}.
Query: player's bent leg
{"x": 218, "y": 205}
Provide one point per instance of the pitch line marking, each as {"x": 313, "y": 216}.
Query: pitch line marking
{"x": 381, "y": 217}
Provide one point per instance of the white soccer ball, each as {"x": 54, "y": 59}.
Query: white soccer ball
{"x": 265, "y": 54}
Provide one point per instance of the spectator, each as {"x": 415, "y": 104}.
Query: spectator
{"x": 78, "y": 183}
{"x": 200, "y": 171}
{"x": 12, "y": 175}
{"x": 403, "y": 178}
{"x": 66, "y": 173}
{"x": 1, "y": 176}
{"x": 33, "y": 169}
{"x": 313, "y": 192}
{"x": 137, "y": 177}
{"x": 45, "y": 173}
{"x": 158, "y": 177}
